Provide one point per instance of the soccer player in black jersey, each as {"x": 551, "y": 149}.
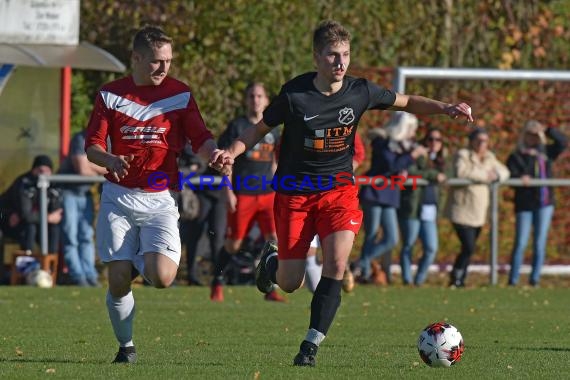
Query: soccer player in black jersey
{"x": 320, "y": 112}
{"x": 250, "y": 198}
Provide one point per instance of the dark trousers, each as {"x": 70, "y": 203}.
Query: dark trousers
{"x": 31, "y": 235}
{"x": 212, "y": 220}
{"x": 468, "y": 238}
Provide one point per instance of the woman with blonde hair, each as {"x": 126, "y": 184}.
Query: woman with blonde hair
{"x": 393, "y": 150}
{"x": 534, "y": 206}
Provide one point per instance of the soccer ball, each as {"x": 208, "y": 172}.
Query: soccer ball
{"x": 39, "y": 278}
{"x": 440, "y": 345}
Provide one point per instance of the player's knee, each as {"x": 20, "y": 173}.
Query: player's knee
{"x": 290, "y": 285}
{"x": 162, "y": 281}
{"x": 289, "y": 288}
{"x": 119, "y": 280}
{"x": 334, "y": 269}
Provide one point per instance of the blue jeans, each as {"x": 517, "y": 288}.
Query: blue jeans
{"x": 374, "y": 217}
{"x": 427, "y": 232}
{"x": 540, "y": 221}
{"x": 78, "y": 244}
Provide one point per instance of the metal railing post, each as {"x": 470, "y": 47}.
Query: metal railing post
{"x": 494, "y": 233}
{"x": 43, "y": 184}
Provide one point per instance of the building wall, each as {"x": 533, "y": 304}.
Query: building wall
{"x": 29, "y": 120}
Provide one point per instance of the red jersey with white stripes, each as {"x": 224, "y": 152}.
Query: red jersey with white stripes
{"x": 153, "y": 123}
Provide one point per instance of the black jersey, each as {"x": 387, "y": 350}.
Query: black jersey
{"x": 252, "y": 171}
{"x": 318, "y": 138}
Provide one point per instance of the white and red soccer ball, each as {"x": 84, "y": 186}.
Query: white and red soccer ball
{"x": 440, "y": 345}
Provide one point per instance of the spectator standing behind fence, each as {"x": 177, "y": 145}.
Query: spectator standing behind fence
{"x": 467, "y": 205}
{"x": 211, "y": 219}
{"x": 78, "y": 215}
{"x": 21, "y": 205}
{"x": 418, "y": 210}
{"x": 189, "y": 209}
{"x": 393, "y": 151}
{"x": 251, "y": 198}
{"x": 534, "y": 206}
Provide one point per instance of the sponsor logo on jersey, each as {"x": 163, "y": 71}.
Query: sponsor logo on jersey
{"x": 329, "y": 139}
{"x": 148, "y": 132}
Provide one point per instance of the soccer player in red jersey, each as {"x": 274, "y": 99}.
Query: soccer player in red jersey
{"x": 320, "y": 112}
{"x": 138, "y": 128}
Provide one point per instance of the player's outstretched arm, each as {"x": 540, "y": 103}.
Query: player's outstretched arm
{"x": 425, "y": 106}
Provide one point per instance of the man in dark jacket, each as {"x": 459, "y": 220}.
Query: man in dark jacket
{"x": 21, "y": 208}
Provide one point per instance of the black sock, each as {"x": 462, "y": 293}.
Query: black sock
{"x": 325, "y": 303}
{"x": 222, "y": 261}
{"x": 271, "y": 265}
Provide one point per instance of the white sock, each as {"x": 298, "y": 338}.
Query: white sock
{"x": 121, "y": 312}
{"x": 313, "y": 273}
{"x": 314, "y": 336}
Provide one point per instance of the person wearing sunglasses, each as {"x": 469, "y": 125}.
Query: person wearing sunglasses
{"x": 467, "y": 205}
{"x": 418, "y": 210}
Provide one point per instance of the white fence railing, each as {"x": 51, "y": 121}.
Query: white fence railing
{"x": 44, "y": 183}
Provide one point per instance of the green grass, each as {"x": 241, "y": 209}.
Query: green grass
{"x": 179, "y": 334}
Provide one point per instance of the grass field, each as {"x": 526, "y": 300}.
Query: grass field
{"x": 179, "y": 334}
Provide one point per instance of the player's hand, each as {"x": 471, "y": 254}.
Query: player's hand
{"x": 441, "y": 177}
{"x": 462, "y": 109}
{"x": 221, "y": 160}
{"x": 119, "y": 166}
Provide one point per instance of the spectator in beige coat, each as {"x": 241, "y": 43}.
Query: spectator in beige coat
{"x": 467, "y": 205}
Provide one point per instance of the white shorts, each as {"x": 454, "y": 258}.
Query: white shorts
{"x": 134, "y": 222}
{"x": 315, "y": 243}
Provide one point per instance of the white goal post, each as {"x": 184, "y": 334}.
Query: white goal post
{"x": 404, "y": 73}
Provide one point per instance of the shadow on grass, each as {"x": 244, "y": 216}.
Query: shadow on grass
{"x": 79, "y": 361}
{"x": 555, "y": 349}
{"x": 52, "y": 360}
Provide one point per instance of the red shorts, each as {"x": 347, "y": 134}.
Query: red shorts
{"x": 251, "y": 208}
{"x": 299, "y": 218}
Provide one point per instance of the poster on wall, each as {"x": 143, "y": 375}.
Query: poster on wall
{"x": 39, "y": 22}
